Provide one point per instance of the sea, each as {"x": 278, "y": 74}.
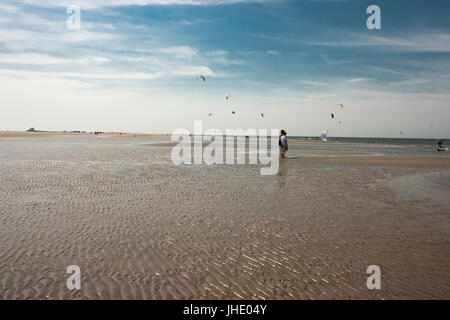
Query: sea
{"x": 382, "y": 146}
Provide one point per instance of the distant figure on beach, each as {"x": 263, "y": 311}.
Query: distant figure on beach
{"x": 283, "y": 143}
{"x": 440, "y": 147}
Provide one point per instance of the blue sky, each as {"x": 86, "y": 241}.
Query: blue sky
{"x": 133, "y": 66}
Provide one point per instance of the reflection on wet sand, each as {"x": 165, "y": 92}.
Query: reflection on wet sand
{"x": 282, "y": 172}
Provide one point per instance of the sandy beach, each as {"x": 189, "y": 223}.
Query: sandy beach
{"x": 140, "y": 227}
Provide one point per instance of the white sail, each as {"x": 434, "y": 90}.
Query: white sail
{"x": 324, "y": 135}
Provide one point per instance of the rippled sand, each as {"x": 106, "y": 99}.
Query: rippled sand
{"x": 141, "y": 228}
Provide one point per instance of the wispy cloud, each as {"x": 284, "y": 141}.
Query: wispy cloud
{"x": 220, "y": 57}
{"x": 313, "y": 83}
{"x": 431, "y": 41}
{"x": 4, "y": 7}
{"x": 327, "y": 59}
{"x": 82, "y": 75}
{"x": 424, "y": 42}
{"x": 217, "y": 53}
{"x": 87, "y": 4}
{"x": 20, "y": 39}
{"x": 273, "y": 52}
{"x": 355, "y": 80}
{"x": 228, "y": 62}
{"x": 44, "y": 59}
{"x": 32, "y": 58}
{"x": 179, "y": 52}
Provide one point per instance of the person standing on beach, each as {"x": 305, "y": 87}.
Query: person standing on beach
{"x": 283, "y": 144}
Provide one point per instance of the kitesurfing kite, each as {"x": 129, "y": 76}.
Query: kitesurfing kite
{"x": 201, "y": 77}
{"x": 233, "y": 112}
{"x": 341, "y": 107}
{"x": 210, "y": 114}
{"x": 228, "y": 96}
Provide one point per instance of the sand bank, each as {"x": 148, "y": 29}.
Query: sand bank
{"x": 141, "y": 228}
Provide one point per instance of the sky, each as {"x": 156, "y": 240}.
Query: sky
{"x": 133, "y": 66}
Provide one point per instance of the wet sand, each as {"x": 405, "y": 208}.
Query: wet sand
{"x": 140, "y": 227}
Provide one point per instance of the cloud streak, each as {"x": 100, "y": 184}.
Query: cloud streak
{"x": 424, "y": 42}
{"x": 89, "y": 4}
